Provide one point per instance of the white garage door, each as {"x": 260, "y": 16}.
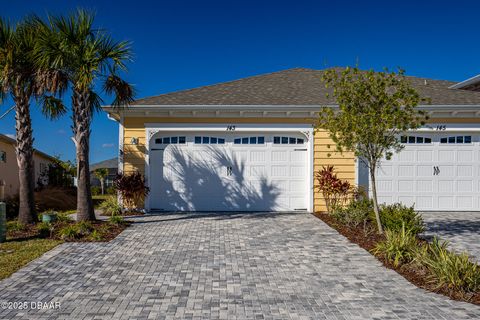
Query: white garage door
{"x": 217, "y": 171}
{"x": 433, "y": 172}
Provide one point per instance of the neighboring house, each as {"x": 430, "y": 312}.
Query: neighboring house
{"x": 9, "y": 166}
{"x": 111, "y": 165}
{"x": 249, "y": 145}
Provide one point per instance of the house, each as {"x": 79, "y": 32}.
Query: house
{"x": 249, "y": 145}
{"x": 111, "y": 165}
{"x": 9, "y": 166}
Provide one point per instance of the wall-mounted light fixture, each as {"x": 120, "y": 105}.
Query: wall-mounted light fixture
{"x": 134, "y": 141}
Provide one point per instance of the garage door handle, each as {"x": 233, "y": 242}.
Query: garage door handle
{"x": 299, "y": 149}
{"x": 436, "y": 170}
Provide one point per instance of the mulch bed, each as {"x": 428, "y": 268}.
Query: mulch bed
{"x": 413, "y": 273}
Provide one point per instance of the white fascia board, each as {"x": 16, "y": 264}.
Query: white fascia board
{"x": 469, "y": 81}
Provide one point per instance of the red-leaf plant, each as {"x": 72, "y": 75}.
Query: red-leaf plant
{"x": 335, "y": 191}
{"x": 132, "y": 188}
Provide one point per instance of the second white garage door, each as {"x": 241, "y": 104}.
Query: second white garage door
{"x": 209, "y": 171}
{"x": 435, "y": 171}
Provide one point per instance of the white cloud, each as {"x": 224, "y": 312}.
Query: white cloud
{"x": 10, "y": 135}
{"x": 108, "y": 145}
{"x": 61, "y": 131}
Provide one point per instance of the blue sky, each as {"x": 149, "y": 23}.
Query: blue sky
{"x": 185, "y": 44}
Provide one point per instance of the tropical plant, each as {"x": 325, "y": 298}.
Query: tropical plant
{"x": 449, "y": 269}
{"x": 355, "y": 213}
{"x": 396, "y": 215}
{"x": 111, "y": 206}
{"x": 114, "y": 219}
{"x": 23, "y": 80}
{"x": 101, "y": 174}
{"x": 373, "y": 109}
{"x": 335, "y": 191}
{"x": 86, "y": 57}
{"x": 132, "y": 188}
{"x": 69, "y": 232}
{"x": 398, "y": 248}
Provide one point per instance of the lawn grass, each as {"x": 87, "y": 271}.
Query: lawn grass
{"x": 16, "y": 254}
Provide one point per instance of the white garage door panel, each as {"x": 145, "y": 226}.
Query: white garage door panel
{"x": 410, "y": 177}
{"x": 229, "y": 177}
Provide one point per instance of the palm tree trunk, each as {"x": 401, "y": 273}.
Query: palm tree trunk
{"x": 81, "y": 129}
{"x": 24, "y": 151}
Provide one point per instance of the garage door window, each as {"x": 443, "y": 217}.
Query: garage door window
{"x": 288, "y": 140}
{"x": 415, "y": 139}
{"x": 209, "y": 140}
{"x": 170, "y": 140}
{"x": 456, "y": 139}
{"x": 249, "y": 140}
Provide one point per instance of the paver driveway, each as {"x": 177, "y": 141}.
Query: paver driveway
{"x": 251, "y": 266}
{"x": 461, "y": 229}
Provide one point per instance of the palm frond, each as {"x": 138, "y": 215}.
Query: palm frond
{"x": 95, "y": 102}
{"x": 52, "y": 107}
{"x": 122, "y": 91}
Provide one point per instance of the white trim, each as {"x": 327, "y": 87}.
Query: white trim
{"x": 469, "y": 81}
{"x": 306, "y": 129}
{"x": 449, "y": 127}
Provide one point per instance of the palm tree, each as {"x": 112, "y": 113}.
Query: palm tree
{"x": 88, "y": 58}
{"x": 101, "y": 174}
{"x": 22, "y": 80}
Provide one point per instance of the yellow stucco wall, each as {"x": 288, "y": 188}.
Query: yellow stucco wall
{"x": 134, "y": 155}
{"x": 9, "y": 169}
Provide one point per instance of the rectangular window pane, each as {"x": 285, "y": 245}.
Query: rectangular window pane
{"x": 205, "y": 140}
{"x": 174, "y": 140}
{"x": 443, "y": 140}
{"x": 253, "y": 140}
{"x": 221, "y": 141}
{"x": 276, "y": 140}
{"x": 403, "y": 139}
{"x": 284, "y": 140}
{"x": 213, "y": 140}
{"x": 300, "y": 141}
{"x": 261, "y": 140}
{"x": 419, "y": 139}
{"x": 237, "y": 141}
{"x": 198, "y": 140}
{"x": 181, "y": 140}
{"x": 451, "y": 139}
{"x": 159, "y": 140}
{"x": 166, "y": 140}
{"x": 428, "y": 140}
{"x": 244, "y": 140}
{"x": 460, "y": 139}
{"x": 292, "y": 141}
{"x": 411, "y": 139}
{"x": 467, "y": 139}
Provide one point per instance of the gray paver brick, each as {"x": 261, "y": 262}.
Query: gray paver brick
{"x": 222, "y": 266}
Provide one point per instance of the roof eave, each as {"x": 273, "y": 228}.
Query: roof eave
{"x": 471, "y": 81}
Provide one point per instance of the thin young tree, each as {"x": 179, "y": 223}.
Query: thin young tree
{"x": 373, "y": 109}
{"x": 23, "y": 81}
{"x": 89, "y": 58}
{"x": 101, "y": 174}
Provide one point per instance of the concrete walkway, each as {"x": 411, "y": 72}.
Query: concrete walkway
{"x": 227, "y": 266}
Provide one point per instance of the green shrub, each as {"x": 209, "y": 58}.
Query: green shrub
{"x": 398, "y": 247}
{"x": 116, "y": 219}
{"x": 84, "y": 228}
{"x": 449, "y": 269}
{"x": 95, "y": 236}
{"x": 111, "y": 206}
{"x": 111, "y": 191}
{"x": 44, "y": 229}
{"x": 394, "y": 216}
{"x": 357, "y": 212}
{"x": 63, "y": 217}
{"x": 15, "y": 226}
{"x": 96, "y": 190}
{"x": 69, "y": 232}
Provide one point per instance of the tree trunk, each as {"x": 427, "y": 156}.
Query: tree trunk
{"x": 81, "y": 130}
{"x": 24, "y": 152}
{"x": 375, "y": 202}
{"x": 102, "y": 186}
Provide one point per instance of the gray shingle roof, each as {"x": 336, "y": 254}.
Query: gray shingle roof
{"x": 297, "y": 86}
{"x": 109, "y": 164}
